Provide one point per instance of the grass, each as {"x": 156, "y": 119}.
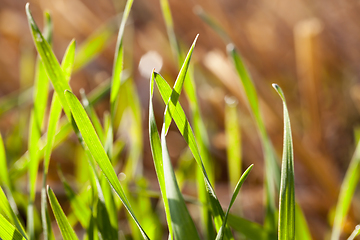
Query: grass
{"x": 99, "y": 203}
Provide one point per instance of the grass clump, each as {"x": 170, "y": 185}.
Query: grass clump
{"x": 97, "y": 206}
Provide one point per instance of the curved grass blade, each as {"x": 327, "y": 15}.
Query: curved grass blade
{"x": 272, "y": 174}
{"x": 118, "y": 59}
{"x": 287, "y": 188}
{"x": 65, "y": 228}
{"x": 250, "y": 230}
{"x": 9, "y": 213}
{"x": 8, "y": 231}
{"x": 347, "y": 191}
{"x": 355, "y": 233}
{"x": 97, "y": 151}
{"x": 50, "y": 62}
{"x": 242, "y": 179}
{"x": 184, "y": 127}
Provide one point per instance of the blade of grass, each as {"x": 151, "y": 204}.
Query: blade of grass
{"x": 55, "y": 113}
{"x": 272, "y": 174}
{"x": 66, "y": 230}
{"x": 34, "y": 136}
{"x": 347, "y": 191}
{"x": 118, "y": 59}
{"x": 97, "y": 151}
{"x": 287, "y": 188}
{"x": 179, "y": 85}
{"x": 233, "y": 140}
{"x": 50, "y": 62}
{"x": 41, "y": 83}
{"x": 184, "y": 127}
{"x": 9, "y": 213}
{"x": 166, "y": 12}
{"x": 156, "y": 151}
{"x": 94, "y": 44}
{"x": 242, "y": 179}
{"x": 182, "y": 224}
{"x": 79, "y": 208}
{"x": 8, "y": 231}
{"x": 302, "y": 229}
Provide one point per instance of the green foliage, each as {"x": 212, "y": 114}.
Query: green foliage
{"x": 92, "y": 193}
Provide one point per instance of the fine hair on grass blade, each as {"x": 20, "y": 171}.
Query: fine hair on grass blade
{"x": 65, "y": 228}
{"x": 286, "y": 229}
{"x": 97, "y": 151}
{"x": 8, "y": 231}
{"x": 243, "y": 177}
{"x": 347, "y": 191}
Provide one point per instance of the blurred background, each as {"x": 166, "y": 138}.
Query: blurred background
{"x": 310, "y": 48}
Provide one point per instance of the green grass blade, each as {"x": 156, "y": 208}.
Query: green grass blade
{"x": 94, "y": 45}
{"x": 4, "y": 176}
{"x": 50, "y": 62}
{"x": 272, "y": 180}
{"x": 233, "y": 141}
{"x": 55, "y": 113}
{"x": 97, "y": 151}
{"x": 184, "y": 127}
{"x": 156, "y": 150}
{"x": 65, "y": 228}
{"x": 34, "y": 136}
{"x": 91, "y": 112}
{"x": 8, "y": 231}
{"x": 179, "y": 84}
{"x": 80, "y": 209}
{"x": 212, "y": 23}
{"x": 118, "y": 58}
{"x": 250, "y": 230}
{"x": 175, "y": 48}
{"x": 355, "y": 233}
{"x": 242, "y": 179}
{"x": 347, "y": 191}
{"x": 302, "y": 229}
{"x": 9, "y": 213}
{"x": 287, "y": 188}
{"x": 41, "y": 83}
{"x": 182, "y": 223}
